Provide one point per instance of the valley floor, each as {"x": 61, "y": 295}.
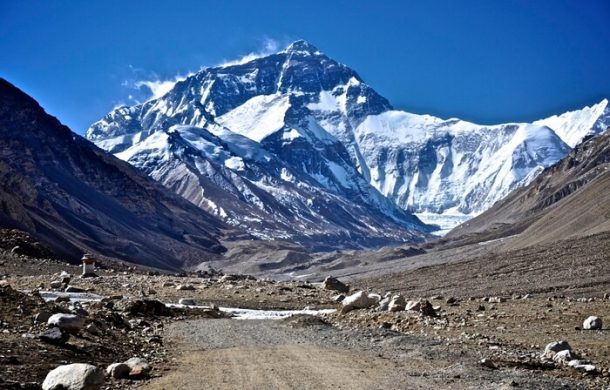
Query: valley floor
{"x": 500, "y": 305}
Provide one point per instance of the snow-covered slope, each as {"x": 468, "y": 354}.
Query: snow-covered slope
{"x": 574, "y": 126}
{"x": 282, "y": 132}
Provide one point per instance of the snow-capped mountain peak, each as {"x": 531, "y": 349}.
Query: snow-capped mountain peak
{"x": 302, "y": 47}
{"x": 331, "y": 142}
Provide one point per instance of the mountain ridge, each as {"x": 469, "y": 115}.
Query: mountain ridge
{"x": 76, "y": 197}
{"x": 300, "y": 102}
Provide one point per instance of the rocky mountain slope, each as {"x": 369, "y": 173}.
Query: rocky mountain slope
{"x": 569, "y": 199}
{"x": 257, "y": 131}
{"x": 75, "y": 197}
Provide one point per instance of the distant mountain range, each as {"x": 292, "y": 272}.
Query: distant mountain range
{"x": 297, "y": 146}
{"x": 76, "y": 197}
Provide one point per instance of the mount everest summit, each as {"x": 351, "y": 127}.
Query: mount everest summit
{"x": 297, "y": 146}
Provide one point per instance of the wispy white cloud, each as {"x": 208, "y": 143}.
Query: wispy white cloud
{"x": 269, "y": 46}
{"x": 160, "y": 87}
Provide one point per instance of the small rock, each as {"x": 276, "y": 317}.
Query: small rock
{"x": 56, "y": 284}
{"x": 187, "y": 302}
{"x": 451, "y": 301}
{"x": 93, "y": 329}
{"x": 338, "y": 298}
{"x": 413, "y": 306}
{"x": 118, "y": 370}
{"x": 592, "y": 323}
{"x": 398, "y": 303}
{"x": 54, "y": 336}
{"x": 76, "y": 376}
{"x": 67, "y": 322}
{"x": 557, "y": 346}
{"x": 334, "y": 284}
{"x": 41, "y": 317}
{"x": 384, "y": 304}
{"x": 488, "y": 363}
{"x": 139, "y": 368}
{"x": 563, "y": 357}
{"x": 588, "y": 368}
{"x": 185, "y": 287}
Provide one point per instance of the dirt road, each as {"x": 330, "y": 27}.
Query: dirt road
{"x": 235, "y": 354}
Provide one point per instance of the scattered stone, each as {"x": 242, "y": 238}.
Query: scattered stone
{"x": 139, "y": 368}
{"x": 62, "y": 299}
{"x": 398, "y": 303}
{"x": 187, "y": 302}
{"x": 588, "y": 368}
{"x": 607, "y": 296}
{"x": 118, "y": 370}
{"x": 426, "y": 309}
{"x": 384, "y": 304}
{"x": 422, "y": 306}
{"x": 93, "y": 329}
{"x": 334, "y": 284}
{"x": 56, "y": 284}
{"x": 592, "y": 323}
{"x": 168, "y": 284}
{"x": 68, "y": 322}
{"x": 76, "y": 376}
{"x": 54, "y": 336}
{"x": 557, "y": 346}
{"x": 185, "y": 287}
{"x": 338, "y": 298}
{"x": 563, "y": 357}
{"x": 358, "y": 300}
{"x": 452, "y": 301}
{"x": 41, "y": 317}
{"x": 488, "y": 363}
{"x": 145, "y": 307}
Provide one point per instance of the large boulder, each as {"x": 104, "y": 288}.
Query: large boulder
{"x": 358, "y": 300}
{"x": 334, "y": 284}
{"x": 592, "y": 323}
{"x": 67, "y": 322}
{"x": 76, "y": 376}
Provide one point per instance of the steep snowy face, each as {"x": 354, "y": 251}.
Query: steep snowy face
{"x": 574, "y": 126}
{"x": 429, "y": 165}
{"x": 297, "y": 122}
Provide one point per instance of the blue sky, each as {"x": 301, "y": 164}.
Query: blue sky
{"x": 485, "y": 61}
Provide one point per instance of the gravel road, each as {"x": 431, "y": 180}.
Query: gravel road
{"x": 306, "y": 354}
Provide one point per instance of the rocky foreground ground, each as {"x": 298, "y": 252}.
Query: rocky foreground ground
{"x": 376, "y": 339}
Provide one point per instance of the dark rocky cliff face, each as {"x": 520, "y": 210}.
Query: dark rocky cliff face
{"x": 61, "y": 188}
